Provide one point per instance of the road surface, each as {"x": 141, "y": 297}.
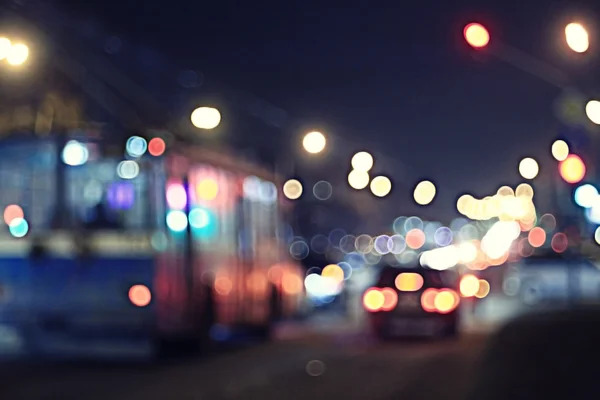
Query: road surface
{"x": 301, "y": 368}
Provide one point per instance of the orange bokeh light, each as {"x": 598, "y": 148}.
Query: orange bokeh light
{"x": 409, "y": 282}
{"x": 390, "y": 299}
{"x": 140, "y": 295}
{"x": 333, "y": 271}
{"x": 537, "y": 237}
{"x": 415, "y": 239}
{"x": 373, "y": 300}
{"x": 572, "y": 169}
{"x": 446, "y": 301}
{"x": 428, "y": 299}
{"x": 476, "y": 35}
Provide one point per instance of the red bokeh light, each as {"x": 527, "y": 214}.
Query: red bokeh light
{"x": 12, "y": 212}
{"x": 537, "y": 237}
{"x": 140, "y": 295}
{"x": 156, "y": 147}
{"x": 560, "y": 242}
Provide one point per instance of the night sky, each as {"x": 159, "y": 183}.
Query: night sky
{"x": 391, "y": 77}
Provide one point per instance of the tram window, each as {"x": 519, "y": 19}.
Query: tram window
{"x": 99, "y": 199}
{"x": 213, "y": 203}
{"x": 27, "y": 181}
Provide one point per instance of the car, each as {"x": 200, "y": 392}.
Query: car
{"x": 413, "y": 302}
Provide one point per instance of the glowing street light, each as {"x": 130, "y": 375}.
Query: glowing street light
{"x": 592, "y": 110}
{"x": 528, "y": 168}
{"x": 476, "y": 35}
{"x": 572, "y": 169}
{"x": 424, "y": 193}
{"x": 381, "y": 186}
{"x": 358, "y": 179}
{"x": 5, "y": 47}
{"x": 314, "y": 142}
{"x": 18, "y": 54}
{"x": 292, "y": 189}
{"x": 15, "y": 54}
{"x": 560, "y": 150}
{"x": 206, "y": 118}
{"x": 577, "y": 37}
{"x": 362, "y": 161}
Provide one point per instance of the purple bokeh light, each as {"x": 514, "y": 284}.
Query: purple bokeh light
{"x": 121, "y": 195}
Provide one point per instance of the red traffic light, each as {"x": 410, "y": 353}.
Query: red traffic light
{"x": 572, "y": 169}
{"x": 476, "y": 35}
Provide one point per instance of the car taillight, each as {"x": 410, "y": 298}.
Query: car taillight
{"x": 428, "y": 300}
{"x": 373, "y": 300}
{"x": 139, "y": 295}
{"x": 390, "y": 299}
{"x": 377, "y": 299}
{"x": 442, "y": 301}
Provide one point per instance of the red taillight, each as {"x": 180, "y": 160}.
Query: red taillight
{"x": 442, "y": 301}
{"x": 428, "y": 300}
{"x": 140, "y": 295}
{"x": 373, "y": 300}
{"x": 376, "y": 299}
{"x": 390, "y": 299}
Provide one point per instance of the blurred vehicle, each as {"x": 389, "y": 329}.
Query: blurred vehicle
{"x": 110, "y": 255}
{"x": 413, "y": 302}
{"x": 548, "y": 279}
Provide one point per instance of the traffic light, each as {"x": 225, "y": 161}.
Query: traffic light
{"x": 476, "y": 35}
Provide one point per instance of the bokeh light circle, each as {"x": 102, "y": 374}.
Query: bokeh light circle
{"x": 362, "y": 161}
{"x": 358, "y": 179}
{"x": 381, "y": 186}
{"x": 560, "y": 150}
{"x": 529, "y": 168}
{"x": 314, "y": 142}
{"x": 476, "y": 35}
{"x": 424, "y": 193}
{"x": 292, "y": 189}
{"x": 206, "y": 118}
{"x": 572, "y": 169}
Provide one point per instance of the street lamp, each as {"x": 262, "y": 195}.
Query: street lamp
{"x": 560, "y": 150}
{"x": 206, "y": 118}
{"x": 592, "y": 110}
{"x": 362, "y": 161}
{"x": 5, "y": 46}
{"x": 314, "y": 142}
{"x": 424, "y": 193}
{"x": 358, "y": 179}
{"x": 528, "y": 168}
{"x": 292, "y": 189}
{"x": 15, "y": 54}
{"x": 381, "y": 186}
{"x": 577, "y": 37}
{"x": 476, "y": 35}
{"x": 572, "y": 169}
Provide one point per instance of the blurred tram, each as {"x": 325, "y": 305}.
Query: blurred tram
{"x": 116, "y": 252}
